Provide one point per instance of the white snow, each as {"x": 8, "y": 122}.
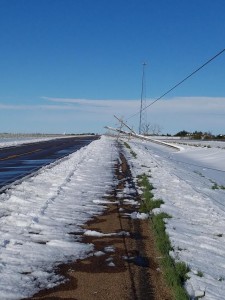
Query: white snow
{"x": 41, "y": 218}
{"x": 109, "y": 249}
{"x": 97, "y": 234}
{"x": 15, "y": 141}
{"x": 184, "y": 181}
{"x": 99, "y": 253}
{"x": 137, "y": 215}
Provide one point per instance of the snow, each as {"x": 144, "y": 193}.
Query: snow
{"x": 184, "y": 181}
{"x": 15, "y": 141}
{"x": 41, "y": 218}
{"x": 111, "y": 264}
{"x": 137, "y": 215}
{"x": 97, "y": 234}
{"x": 109, "y": 249}
{"x": 99, "y": 253}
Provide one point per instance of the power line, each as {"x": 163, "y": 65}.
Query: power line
{"x": 179, "y": 83}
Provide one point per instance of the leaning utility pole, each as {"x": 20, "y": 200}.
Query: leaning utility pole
{"x": 142, "y": 92}
{"x": 124, "y": 124}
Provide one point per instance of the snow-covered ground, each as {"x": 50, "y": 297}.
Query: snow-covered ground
{"x": 185, "y": 180}
{"x": 38, "y": 218}
{"x": 15, "y": 141}
{"x": 41, "y": 218}
{"x": 202, "y": 143}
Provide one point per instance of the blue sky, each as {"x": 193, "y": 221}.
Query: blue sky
{"x": 69, "y": 65}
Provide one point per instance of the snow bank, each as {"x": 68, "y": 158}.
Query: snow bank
{"x": 196, "y": 228}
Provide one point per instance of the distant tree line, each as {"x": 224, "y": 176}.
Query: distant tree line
{"x": 155, "y": 129}
{"x": 199, "y": 135}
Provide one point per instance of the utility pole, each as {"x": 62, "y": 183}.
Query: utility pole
{"x": 124, "y": 124}
{"x": 142, "y": 93}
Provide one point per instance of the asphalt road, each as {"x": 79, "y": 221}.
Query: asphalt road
{"x": 17, "y": 162}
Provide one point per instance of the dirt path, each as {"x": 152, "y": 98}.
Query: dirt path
{"x": 124, "y": 265}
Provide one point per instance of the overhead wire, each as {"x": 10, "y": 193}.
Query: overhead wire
{"x": 179, "y": 83}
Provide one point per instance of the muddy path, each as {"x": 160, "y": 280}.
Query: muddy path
{"x": 125, "y": 262}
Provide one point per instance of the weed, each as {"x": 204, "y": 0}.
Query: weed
{"x": 200, "y": 273}
{"x": 127, "y": 145}
{"x": 199, "y": 173}
{"x": 144, "y": 182}
{"x": 133, "y": 153}
{"x": 220, "y": 235}
{"x": 215, "y": 186}
{"x": 148, "y": 202}
{"x": 180, "y": 249}
{"x": 182, "y": 270}
{"x": 175, "y": 275}
{"x": 148, "y": 205}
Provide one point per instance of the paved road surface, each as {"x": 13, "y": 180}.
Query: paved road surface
{"x": 17, "y": 162}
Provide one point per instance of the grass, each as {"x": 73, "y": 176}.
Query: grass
{"x": 148, "y": 202}
{"x": 200, "y": 274}
{"x": 175, "y": 273}
{"x": 131, "y": 151}
{"x": 127, "y": 145}
{"x": 199, "y": 173}
{"x": 133, "y": 154}
{"x": 175, "y": 276}
{"x": 216, "y": 186}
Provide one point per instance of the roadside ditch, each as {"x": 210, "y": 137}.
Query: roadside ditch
{"x": 124, "y": 264}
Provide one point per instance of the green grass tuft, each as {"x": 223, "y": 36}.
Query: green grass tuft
{"x": 148, "y": 202}
{"x": 215, "y": 186}
{"x": 127, "y": 145}
{"x": 200, "y": 273}
{"x": 131, "y": 151}
{"x": 162, "y": 239}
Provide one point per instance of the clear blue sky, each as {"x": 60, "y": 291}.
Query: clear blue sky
{"x": 53, "y": 52}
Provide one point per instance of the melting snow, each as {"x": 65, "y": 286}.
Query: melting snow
{"x": 184, "y": 181}
{"x": 40, "y": 218}
{"x": 137, "y": 215}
